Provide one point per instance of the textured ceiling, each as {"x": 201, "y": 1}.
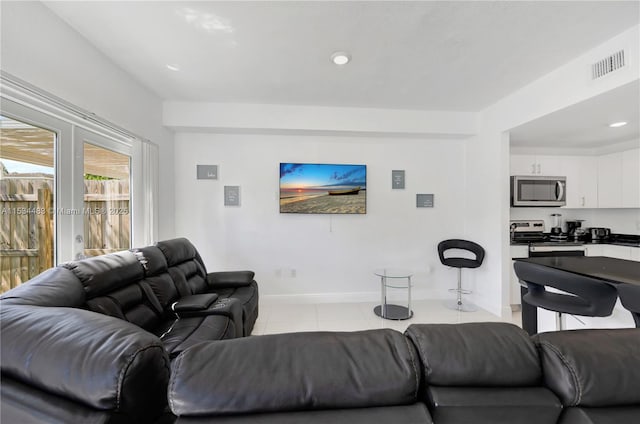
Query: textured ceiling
{"x": 410, "y": 55}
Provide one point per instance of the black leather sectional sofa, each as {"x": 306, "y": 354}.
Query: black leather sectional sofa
{"x": 164, "y": 289}
{"x": 98, "y": 341}
{"x": 477, "y": 373}
{"x": 92, "y": 340}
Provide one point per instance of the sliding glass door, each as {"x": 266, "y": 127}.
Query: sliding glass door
{"x": 27, "y": 191}
{"x": 66, "y": 192}
{"x": 107, "y": 195}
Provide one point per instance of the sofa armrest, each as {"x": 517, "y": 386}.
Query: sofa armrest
{"x": 230, "y": 279}
{"x": 99, "y": 361}
{"x": 194, "y": 303}
{"x": 592, "y": 367}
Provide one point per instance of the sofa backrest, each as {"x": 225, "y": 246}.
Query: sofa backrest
{"x": 288, "y": 372}
{"x": 53, "y": 287}
{"x": 476, "y": 354}
{"x": 89, "y": 359}
{"x": 592, "y": 368}
{"x": 157, "y": 277}
{"x": 184, "y": 265}
{"x": 111, "y": 285}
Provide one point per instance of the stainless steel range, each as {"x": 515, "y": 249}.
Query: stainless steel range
{"x": 532, "y": 233}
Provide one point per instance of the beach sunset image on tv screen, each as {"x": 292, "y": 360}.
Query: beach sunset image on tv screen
{"x": 323, "y": 188}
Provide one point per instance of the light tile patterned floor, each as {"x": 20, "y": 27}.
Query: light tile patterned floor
{"x": 286, "y": 318}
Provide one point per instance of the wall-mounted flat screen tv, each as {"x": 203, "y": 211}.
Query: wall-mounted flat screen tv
{"x": 323, "y": 188}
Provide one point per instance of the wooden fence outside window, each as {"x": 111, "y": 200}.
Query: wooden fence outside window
{"x": 27, "y": 216}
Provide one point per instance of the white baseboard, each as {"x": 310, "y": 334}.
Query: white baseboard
{"x": 351, "y": 297}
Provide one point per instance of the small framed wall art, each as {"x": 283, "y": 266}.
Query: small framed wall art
{"x": 424, "y": 200}
{"x": 397, "y": 179}
{"x": 232, "y": 195}
{"x": 207, "y": 172}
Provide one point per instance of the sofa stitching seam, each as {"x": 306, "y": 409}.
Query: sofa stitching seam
{"x": 124, "y": 370}
{"x": 573, "y": 372}
{"x": 177, "y": 364}
{"x": 413, "y": 364}
{"x": 423, "y": 354}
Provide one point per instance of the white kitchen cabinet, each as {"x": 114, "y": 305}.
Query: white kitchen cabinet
{"x": 635, "y": 254}
{"x": 615, "y": 251}
{"x": 606, "y": 181}
{"x": 631, "y": 178}
{"x": 535, "y": 165}
{"x": 582, "y": 181}
{"x": 594, "y": 250}
{"x": 516, "y": 252}
{"x": 619, "y": 180}
{"x": 610, "y": 180}
{"x": 522, "y": 165}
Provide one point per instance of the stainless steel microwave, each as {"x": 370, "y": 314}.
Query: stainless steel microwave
{"x": 538, "y": 191}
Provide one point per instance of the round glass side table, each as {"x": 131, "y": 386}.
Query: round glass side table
{"x": 397, "y": 279}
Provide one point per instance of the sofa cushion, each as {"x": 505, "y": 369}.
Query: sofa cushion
{"x": 476, "y": 354}
{"x": 103, "y": 274}
{"x": 111, "y": 283}
{"x": 490, "y": 405}
{"x": 177, "y": 251}
{"x": 92, "y": 359}
{"x": 53, "y": 287}
{"x": 287, "y": 372}
{"x": 152, "y": 260}
{"x": 613, "y": 415}
{"x": 190, "y": 274}
{"x": 25, "y": 404}
{"x": 416, "y": 413}
{"x": 158, "y": 279}
{"x": 592, "y": 368}
{"x": 184, "y": 265}
{"x": 129, "y": 303}
{"x": 190, "y": 331}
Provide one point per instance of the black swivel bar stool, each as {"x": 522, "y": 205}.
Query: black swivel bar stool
{"x": 460, "y": 262}
{"x": 584, "y": 296}
{"x": 630, "y": 299}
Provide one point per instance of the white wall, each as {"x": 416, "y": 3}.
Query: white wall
{"x": 39, "y": 48}
{"x": 333, "y": 255}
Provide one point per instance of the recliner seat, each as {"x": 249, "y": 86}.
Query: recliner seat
{"x": 190, "y": 276}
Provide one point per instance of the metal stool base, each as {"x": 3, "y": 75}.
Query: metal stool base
{"x": 462, "y": 306}
{"x": 457, "y": 304}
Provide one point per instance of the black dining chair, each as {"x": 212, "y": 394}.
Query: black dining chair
{"x": 630, "y": 299}
{"x": 444, "y": 251}
{"x": 581, "y": 295}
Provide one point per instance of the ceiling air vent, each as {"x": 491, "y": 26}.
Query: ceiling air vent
{"x": 607, "y": 65}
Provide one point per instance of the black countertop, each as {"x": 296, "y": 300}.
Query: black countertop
{"x": 629, "y": 240}
{"x": 611, "y": 270}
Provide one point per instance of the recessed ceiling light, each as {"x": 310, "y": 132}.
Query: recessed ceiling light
{"x": 173, "y": 67}
{"x": 618, "y": 124}
{"x": 340, "y": 58}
